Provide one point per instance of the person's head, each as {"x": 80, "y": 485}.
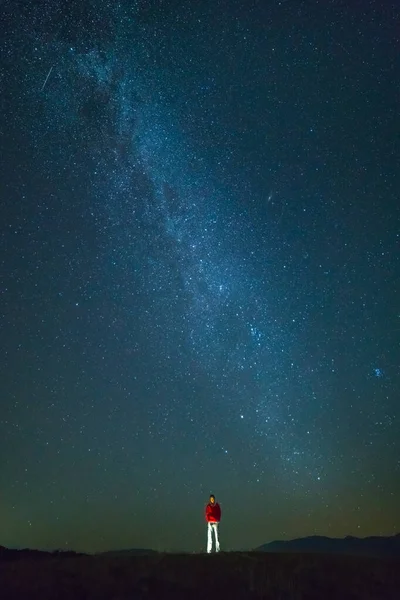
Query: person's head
{"x": 212, "y": 499}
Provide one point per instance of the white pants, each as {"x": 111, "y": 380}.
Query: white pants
{"x": 212, "y": 527}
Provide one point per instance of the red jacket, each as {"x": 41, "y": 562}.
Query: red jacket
{"x": 213, "y": 513}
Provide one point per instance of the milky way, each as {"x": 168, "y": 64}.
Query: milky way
{"x": 193, "y": 255}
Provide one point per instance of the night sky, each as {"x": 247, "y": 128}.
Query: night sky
{"x": 200, "y": 267}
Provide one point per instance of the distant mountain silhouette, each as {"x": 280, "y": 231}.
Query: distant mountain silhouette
{"x": 369, "y": 546}
{"x": 7, "y": 554}
{"x": 129, "y": 552}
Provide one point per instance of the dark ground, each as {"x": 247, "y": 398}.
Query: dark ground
{"x": 223, "y": 576}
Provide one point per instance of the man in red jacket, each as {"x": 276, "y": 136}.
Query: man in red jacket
{"x": 213, "y": 517}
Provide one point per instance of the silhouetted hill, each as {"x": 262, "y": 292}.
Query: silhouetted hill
{"x": 237, "y": 576}
{"x": 234, "y": 575}
{"x": 369, "y": 546}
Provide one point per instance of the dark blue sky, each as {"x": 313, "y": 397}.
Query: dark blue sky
{"x": 199, "y": 272}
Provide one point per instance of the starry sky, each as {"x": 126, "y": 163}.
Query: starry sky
{"x": 199, "y": 259}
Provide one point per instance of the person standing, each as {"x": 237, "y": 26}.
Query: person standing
{"x": 213, "y": 517}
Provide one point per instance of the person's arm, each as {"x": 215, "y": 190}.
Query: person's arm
{"x": 207, "y": 512}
